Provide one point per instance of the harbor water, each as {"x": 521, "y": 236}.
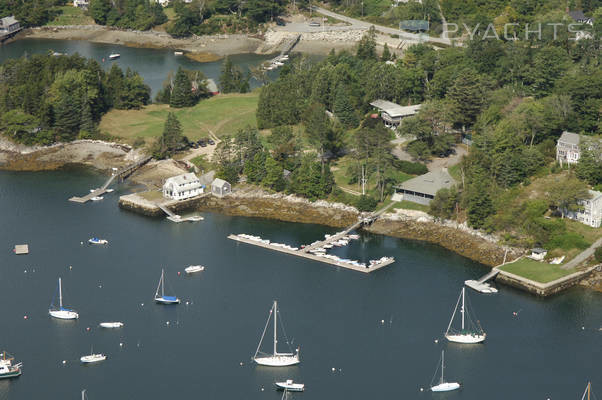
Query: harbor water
{"x": 362, "y": 336}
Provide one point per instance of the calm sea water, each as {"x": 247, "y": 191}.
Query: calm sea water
{"x": 152, "y": 64}
{"x": 377, "y": 331}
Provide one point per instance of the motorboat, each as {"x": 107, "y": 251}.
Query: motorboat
{"x": 7, "y": 369}
{"x": 96, "y": 240}
{"x": 194, "y": 268}
{"x": 61, "y": 312}
{"x": 93, "y": 358}
{"x": 96, "y": 198}
{"x": 114, "y": 56}
{"x": 162, "y": 298}
{"x": 178, "y": 53}
{"x": 109, "y": 190}
{"x": 111, "y": 324}
{"x": 275, "y": 359}
{"x": 290, "y": 386}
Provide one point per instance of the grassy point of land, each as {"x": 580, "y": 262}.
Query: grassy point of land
{"x": 222, "y": 115}
{"x": 536, "y": 271}
{"x": 69, "y": 15}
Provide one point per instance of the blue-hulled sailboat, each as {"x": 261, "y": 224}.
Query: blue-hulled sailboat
{"x": 162, "y": 298}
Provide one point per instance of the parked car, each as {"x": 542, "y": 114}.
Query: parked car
{"x": 280, "y": 22}
{"x": 211, "y": 142}
{"x": 201, "y": 141}
{"x": 194, "y": 145}
{"x": 314, "y": 23}
{"x": 203, "y": 144}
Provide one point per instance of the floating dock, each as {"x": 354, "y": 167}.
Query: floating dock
{"x": 21, "y": 249}
{"x": 304, "y": 254}
{"x": 177, "y": 218}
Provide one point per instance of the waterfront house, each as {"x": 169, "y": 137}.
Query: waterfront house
{"x": 589, "y": 211}
{"x": 81, "y": 4}
{"x": 538, "y": 254}
{"x": 392, "y": 113}
{"x": 220, "y": 187}
{"x": 9, "y": 25}
{"x": 182, "y": 187}
{"x": 423, "y": 188}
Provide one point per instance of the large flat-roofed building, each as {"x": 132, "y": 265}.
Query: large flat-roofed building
{"x": 392, "y": 113}
{"x": 423, "y": 188}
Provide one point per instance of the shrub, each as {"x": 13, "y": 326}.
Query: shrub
{"x": 366, "y": 203}
{"x": 412, "y": 168}
{"x": 567, "y": 241}
{"x": 598, "y": 254}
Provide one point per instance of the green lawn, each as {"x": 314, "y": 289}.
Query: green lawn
{"x": 69, "y": 15}
{"x": 222, "y": 114}
{"x": 409, "y": 205}
{"x": 536, "y": 271}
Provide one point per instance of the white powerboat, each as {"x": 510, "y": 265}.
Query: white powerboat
{"x": 96, "y": 240}
{"x": 163, "y": 299}
{"x": 444, "y": 386}
{"x": 275, "y": 359}
{"x": 178, "y": 53}
{"x": 111, "y": 324}
{"x": 97, "y": 198}
{"x": 470, "y": 331}
{"x": 114, "y": 56}
{"x": 61, "y": 312}
{"x": 194, "y": 268}
{"x": 290, "y": 386}
{"x": 7, "y": 369}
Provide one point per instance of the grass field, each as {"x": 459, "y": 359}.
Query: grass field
{"x": 536, "y": 271}
{"x": 69, "y": 15}
{"x": 409, "y": 205}
{"x": 223, "y": 115}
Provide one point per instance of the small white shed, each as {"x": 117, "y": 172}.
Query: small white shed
{"x": 220, "y": 188}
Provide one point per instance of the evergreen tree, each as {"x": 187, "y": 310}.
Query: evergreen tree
{"x": 273, "y": 175}
{"x": 181, "y": 95}
{"x": 255, "y": 168}
{"x": 68, "y": 115}
{"x": 466, "y": 97}
{"x": 386, "y": 56}
{"x": 366, "y": 49}
{"x": 171, "y": 139}
{"x": 589, "y": 167}
{"x": 98, "y": 10}
{"x": 479, "y": 203}
{"x": 86, "y": 125}
{"x": 343, "y": 109}
{"x": 227, "y": 80}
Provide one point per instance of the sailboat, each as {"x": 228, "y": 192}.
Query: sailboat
{"x": 588, "y": 392}
{"x": 471, "y": 334}
{"x": 61, "y": 312}
{"x": 93, "y": 358}
{"x": 444, "y": 386}
{"x": 163, "y": 299}
{"x": 275, "y": 359}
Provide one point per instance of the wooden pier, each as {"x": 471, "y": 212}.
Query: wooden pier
{"x": 302, "y": 253}
{"x": 177, "y": 218}
{"x": 122, "y": 174}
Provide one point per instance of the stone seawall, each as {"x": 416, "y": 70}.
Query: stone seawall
{"x": 545, "y": 289}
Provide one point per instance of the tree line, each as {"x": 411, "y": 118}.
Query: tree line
{"x": 127, "y": 14}
{"x": 46, "y": 98}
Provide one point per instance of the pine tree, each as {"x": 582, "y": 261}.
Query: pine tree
{"x": 86, "y": 125}
{"x": 67, "y": 112}
{"x": 98, "y": 10}
{"x": 366, "y": 49}
{"x": 466, "y": 97}
{"x": 227, "y": 81}
{"x": 386, "y": 56}
{"x": 343, "y": 109}
{"x": 181, "y": 95}
{"x": 273, "y": 175}
{"x": 480, "y": 205}
{"x": 171, "y": 139}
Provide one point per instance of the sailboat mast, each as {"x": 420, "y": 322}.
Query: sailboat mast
{"x": 163, "y": 285}
{"x": 463, "y": 307}
{"x": 275, "y": 326}
{"x": 589, "y": 389}
{"x": 60, "y": 294}
{"x": 442, "y": 364}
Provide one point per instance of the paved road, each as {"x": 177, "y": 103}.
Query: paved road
{"x": 357, "y": 24}
{"x": 583, "y": 256}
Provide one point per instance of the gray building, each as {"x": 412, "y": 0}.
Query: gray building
{"x": 423, "y": 188}
{"x": 392, "y": 113}
{"x": 220, "y": 188}
{"x": 590, "y": 210}
{"x": 9, "y": 25}
{"x": 567, "y": 148}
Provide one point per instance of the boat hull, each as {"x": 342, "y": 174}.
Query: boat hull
{"x": 12, "y": 374}
{"x": 93, "y": 358}
{"x": 111, "y": 324}
{"x": 63, "y": 314}
{"x": 161, "y": 300}
{"x": 466, "y": 338}
{"x": 278, "y": 360}
{"x": 446, "y": 387}
{"x": 291, "y": 387}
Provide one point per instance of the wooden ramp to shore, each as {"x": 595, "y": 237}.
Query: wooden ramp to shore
{"x": 175, "y": 217}
{"x": 301, "y": 253}
{"x": 122, "y": 174}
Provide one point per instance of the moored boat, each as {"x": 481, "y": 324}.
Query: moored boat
{"x": 444, "y": 386}
{"x": 97, "y": 198}
{"x": 163, "y": 299}
{"x": 61, "y": 312}
{"x": 114, "y": 56}
{"x": 275, "y": 359}
{"x": 111, "y": 324}
{"x": 7, "y": 369}
{"x": 470, "y": 332}
{"x": 290, "y": 386}
{"x": 93, "y": 358}
{"x": 194, "y": 268}
{"x": 96, "y": 240}
{"x": 178, "y": 53}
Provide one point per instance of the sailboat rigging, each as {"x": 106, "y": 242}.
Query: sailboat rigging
{"x": 443, "y": 386}
{"x": 61, "y": 312}
{"x": 470, "y": 332}
{"x": 162, "y": 298}
{"x": 275, "y": 359}
{"x": 588, "y": 392}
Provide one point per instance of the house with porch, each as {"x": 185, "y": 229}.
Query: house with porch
{"x": 423, "y": 188}
{"x": 589, "y": 211}
{"x": 9, "y": 25}
{"x": 392, "y": 113}
{"x": 182, "y": 187}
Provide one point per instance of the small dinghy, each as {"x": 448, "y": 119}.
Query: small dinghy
{"x": 109, "y": 190}
{"x": 95, "y": 240}
{"x": 178, "y": 53}
{"x": 93, "y": 358}
{"x": 290, "y": 386}
{"x": 97, "y": 198}
{"x": 114, "y": 56}
{"x": 111, "y": 324}
{"x": 194, "y": 268}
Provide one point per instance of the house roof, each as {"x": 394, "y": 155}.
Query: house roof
{"x": 211, "y": 86}
{"x": 595, "y": 194}
{"x": 538, "y": 250}
{"x": 429, "y": 183}
{"x": 578, "y": 15}
{"x": 183, "y": 179}
{"x": 219, "y": 182}
{"x": 7, "y": 21}
{"x": 395, "y": 110}
{"x": 570, "y": 138}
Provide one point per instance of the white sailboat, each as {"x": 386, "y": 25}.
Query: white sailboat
{"x": 444, "y": 386}
{"x": 470, "y": 332}
{"x": 93, "y": 358}
{"x": 111, "y": 325}
{"x": 61, "y": 312}
{"x": 163, "y": 299}
{"x": 275, "y": 359}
